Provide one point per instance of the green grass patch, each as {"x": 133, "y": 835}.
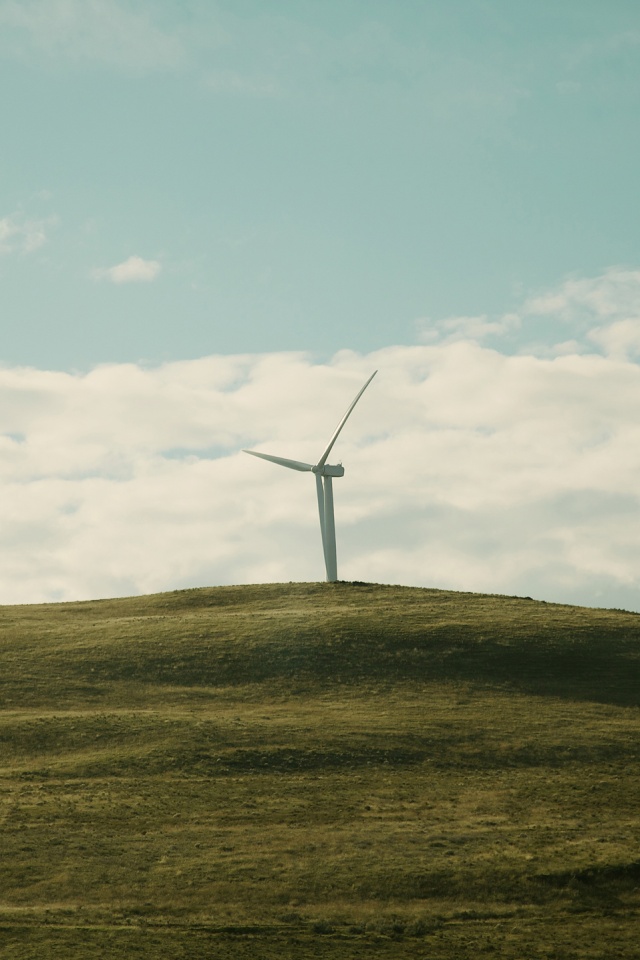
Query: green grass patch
{"x": 319, "y": 770}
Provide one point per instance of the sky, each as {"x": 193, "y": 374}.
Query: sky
{"x": 217, "y": 219}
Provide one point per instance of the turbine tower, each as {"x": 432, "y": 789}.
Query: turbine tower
{"x": 325, "y": 472}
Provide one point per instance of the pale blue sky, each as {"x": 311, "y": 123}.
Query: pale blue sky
{"x": 216, "y": 219}
{"x": 304, "y": 175}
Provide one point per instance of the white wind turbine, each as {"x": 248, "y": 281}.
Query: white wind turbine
{"x": 325, "y": 473}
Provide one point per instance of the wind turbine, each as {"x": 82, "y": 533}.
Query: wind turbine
{"x": 325, "y": 472}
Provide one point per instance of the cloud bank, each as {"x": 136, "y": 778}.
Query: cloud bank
{"x": 466, "y": 467}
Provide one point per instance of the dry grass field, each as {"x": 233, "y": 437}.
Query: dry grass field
{"x": 319, "y": 770}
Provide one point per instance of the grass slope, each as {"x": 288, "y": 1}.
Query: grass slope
{"x": 319, "y": 770}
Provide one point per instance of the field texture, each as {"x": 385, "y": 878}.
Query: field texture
{"x": 319, "y": 770}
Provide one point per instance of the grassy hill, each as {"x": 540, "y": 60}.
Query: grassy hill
{"x": 319, "y": 770}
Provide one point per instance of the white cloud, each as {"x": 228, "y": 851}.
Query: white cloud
{"x": 603, "y": 311}
{"x": 581, "y": 299}
{"x": 21, "y": 235}
{"x": 583, "y": 315}
{"x": 465, "y": 468}
{"x": 133, "y": 270}
{"x": 122, "y": 35}
{"x": 470, "y": 328}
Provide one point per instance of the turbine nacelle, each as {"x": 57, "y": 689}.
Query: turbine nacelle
{"x": 328, "y": 470}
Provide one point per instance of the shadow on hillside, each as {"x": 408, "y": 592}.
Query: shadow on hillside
{"x": 306, "y": 637}
{"x": 603, "y": 668}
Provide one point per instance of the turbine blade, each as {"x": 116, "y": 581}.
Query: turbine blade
{"x": 292, "y": 464}
{"x": 323, "y": 459}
